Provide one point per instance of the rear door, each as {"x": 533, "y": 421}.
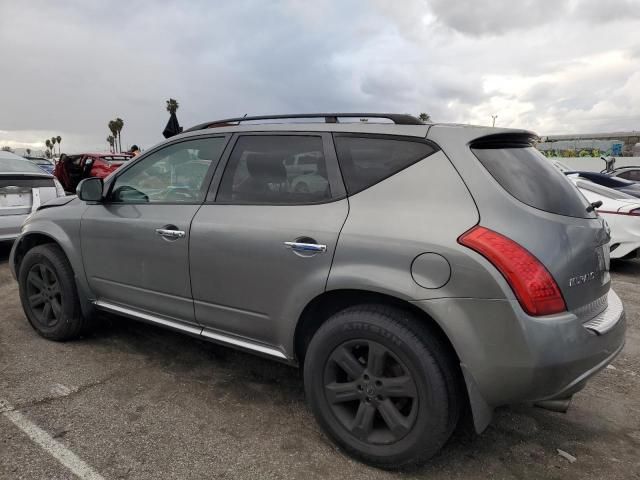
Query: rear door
{"x": 135, "y": 244}
{"x": 261, "y": 247}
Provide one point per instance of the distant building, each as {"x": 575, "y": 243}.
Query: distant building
{"x": 616, "y": 143}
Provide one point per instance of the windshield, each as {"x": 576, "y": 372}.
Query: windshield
{"x": 14, "y": 165}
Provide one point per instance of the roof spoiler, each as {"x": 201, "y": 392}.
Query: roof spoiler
{"x": 505, "y": 140}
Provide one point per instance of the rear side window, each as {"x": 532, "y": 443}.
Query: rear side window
{"x": 276, "y": 170}
{"x": 365, "y": 161}
{"x": 528, "y": 176}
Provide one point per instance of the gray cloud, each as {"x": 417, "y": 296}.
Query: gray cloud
{"x": 497, "y": 16}
{"x": 549, "y": 66}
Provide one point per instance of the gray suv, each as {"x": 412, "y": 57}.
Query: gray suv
{"x": 422, "y": 269}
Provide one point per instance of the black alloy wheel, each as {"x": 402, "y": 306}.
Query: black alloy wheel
{"x": 44, "y": 295}
{"x": 371, "y": 392}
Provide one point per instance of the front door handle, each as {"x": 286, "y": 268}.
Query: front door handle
{"x": 306, "y": 247}
{"x": 170, "y": 233}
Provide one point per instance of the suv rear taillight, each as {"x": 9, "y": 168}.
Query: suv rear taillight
{"x": 533, "y": 285}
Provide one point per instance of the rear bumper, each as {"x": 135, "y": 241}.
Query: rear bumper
{"x": 508, "y": 357}
{"x": 10, "y": 226}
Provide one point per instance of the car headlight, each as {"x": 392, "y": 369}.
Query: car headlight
{"x": 59, "y": 188}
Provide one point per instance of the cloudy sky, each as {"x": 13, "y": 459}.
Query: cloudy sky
{"x": 554, "y": 66}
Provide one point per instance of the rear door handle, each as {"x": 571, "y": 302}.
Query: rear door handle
{"x": 306, "y": 247}
{"x": 170, "y": 234}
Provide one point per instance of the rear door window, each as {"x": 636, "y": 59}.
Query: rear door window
{"x": 367, "y": 160}
{"x": 529, "y": 177}
{"x": 276, "y": 170}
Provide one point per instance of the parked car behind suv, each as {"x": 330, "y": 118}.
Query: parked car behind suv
{"x": 71, "y": 169}
{"x": 24, "y": 186}
{"x": 441, "y": 267}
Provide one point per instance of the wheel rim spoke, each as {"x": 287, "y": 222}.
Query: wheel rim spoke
{"x": 350, "y": 364}
{"x": 35, "y": 280}
{"x": 44, "y": 274}
{"x": 363, "y": 423}
{"x": 46, "y": 311}
{"x": 376, "y": 358}
{"x": 54, "y": 288}
{"x": 399, "y": 387}
{"x": 396, "y": 422}
{"x": 36, "y": 300}
{"x": 342, "y": 392}
{"x": 56, "y": 308}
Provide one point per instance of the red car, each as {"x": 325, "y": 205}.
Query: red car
{"x": 70, "y": 169}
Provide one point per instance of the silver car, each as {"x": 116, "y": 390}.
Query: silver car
{"x": 24, "y": 186}
{"x": 442, "y": 267}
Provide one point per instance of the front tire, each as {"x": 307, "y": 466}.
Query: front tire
{"x": 48, "y": 293}
{"x": 381, "y": 386}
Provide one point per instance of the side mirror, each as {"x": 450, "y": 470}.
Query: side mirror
{"x": 90, "y": 190}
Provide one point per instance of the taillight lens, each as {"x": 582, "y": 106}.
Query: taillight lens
{"x": 533, "y": 285}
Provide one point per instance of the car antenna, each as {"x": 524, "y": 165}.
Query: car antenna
{"x": 594, "y": 205}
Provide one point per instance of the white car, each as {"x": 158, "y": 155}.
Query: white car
{"x": 622, "y": 213}
{"x": 24, "y": 186}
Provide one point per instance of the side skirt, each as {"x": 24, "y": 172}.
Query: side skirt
{"x": 205, "y": 333}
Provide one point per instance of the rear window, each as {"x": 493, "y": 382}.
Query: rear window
{"x": 365, "y": 161}
{"x": 529, "y": 177}
{"x": 12, "y": 165}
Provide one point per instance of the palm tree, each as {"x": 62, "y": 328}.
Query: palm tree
{"x": 48, "y": 144}
{"x": 172, "y": 106}
{"x": 59, "y": 139}
{"x": 425, "y": 117}
{"x": 28, "y": 152}
{"x": 119, "y": 125}
{"x": 111, "y": 141}
{"x": 53, "y": 145}
{"x": 113, "y": 129}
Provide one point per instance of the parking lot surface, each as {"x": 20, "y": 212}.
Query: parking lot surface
{"x": 135, "y": 401}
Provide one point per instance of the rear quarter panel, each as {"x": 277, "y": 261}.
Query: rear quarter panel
{"x": 567, "y": 246}
{"x": 424, "y": 208}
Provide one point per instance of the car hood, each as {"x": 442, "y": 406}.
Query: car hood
{"x": 57, "y": 202}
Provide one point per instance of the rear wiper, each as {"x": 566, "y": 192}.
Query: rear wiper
{"x": 594, "y": 205}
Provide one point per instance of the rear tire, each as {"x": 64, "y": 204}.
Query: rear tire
{"x": 48, "y": 293}
{"x": 382, "y": 386}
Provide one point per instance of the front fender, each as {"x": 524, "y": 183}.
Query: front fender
{"x": 66, "y": 234}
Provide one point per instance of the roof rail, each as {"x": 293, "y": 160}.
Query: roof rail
{"x": 398, "y": 119}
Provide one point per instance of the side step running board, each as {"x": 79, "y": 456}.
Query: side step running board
{"x": 198, "y": 331}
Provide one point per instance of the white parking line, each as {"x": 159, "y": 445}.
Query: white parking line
{"x": 49, "y": 444}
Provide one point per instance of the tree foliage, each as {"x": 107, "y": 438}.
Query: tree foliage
{"x": 172, "y": 105}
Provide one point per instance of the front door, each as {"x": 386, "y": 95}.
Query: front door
{"x": 261, "y": 248}
{"x": 135, "y": 244}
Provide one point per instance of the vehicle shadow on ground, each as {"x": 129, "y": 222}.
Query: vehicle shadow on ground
{"x": 626, "y": 267}
{"x": 518, "y": 440}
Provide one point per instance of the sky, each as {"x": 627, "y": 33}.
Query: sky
{"x": 552, "y": 66}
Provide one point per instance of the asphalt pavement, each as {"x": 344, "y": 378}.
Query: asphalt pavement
{"x": 133, "y": 401}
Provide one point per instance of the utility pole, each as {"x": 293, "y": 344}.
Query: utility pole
{"x": 494, "y": 120}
